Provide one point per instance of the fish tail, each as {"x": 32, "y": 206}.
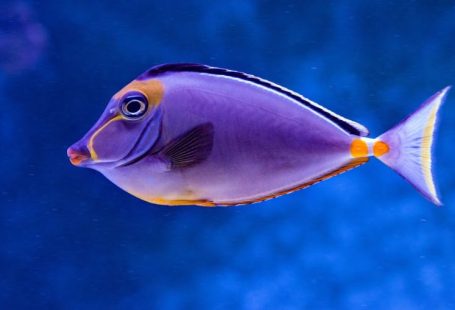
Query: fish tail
{"x": 407, "y": 147}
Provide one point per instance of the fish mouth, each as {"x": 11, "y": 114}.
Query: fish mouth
{"x": 77, "y": 155}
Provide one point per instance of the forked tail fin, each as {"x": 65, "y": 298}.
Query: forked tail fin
{"x": 407, "y": 147}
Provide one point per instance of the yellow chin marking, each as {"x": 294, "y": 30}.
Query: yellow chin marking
{"x": 92, "y": 151}
{"x": 152, "y": 89}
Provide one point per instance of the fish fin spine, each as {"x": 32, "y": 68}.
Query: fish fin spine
{"x": 407, "y": 147}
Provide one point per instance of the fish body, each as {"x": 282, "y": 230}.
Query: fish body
{"x": 211, "y": 136}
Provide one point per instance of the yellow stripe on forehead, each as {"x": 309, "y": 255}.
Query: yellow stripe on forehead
{"x": 152, "y": 89}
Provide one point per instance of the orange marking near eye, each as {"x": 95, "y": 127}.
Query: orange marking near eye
{"x": 359, "y": 148}
{"x": 380, "y": 148}
{"x": 152, "y": 89}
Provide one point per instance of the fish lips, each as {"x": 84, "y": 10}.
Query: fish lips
{"x": 78, "y": 154}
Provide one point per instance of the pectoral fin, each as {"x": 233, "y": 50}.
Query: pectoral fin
{"x": 190, "y": 148}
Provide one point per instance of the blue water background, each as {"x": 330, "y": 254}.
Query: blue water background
{"x": 70, "y": 239}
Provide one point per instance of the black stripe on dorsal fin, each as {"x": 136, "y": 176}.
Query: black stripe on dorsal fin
{"x": 347, "y": 125}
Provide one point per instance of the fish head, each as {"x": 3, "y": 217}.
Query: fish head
{"x": 127, "y": 129}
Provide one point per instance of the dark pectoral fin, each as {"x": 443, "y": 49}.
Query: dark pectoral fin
{"x": 190, "y": 148}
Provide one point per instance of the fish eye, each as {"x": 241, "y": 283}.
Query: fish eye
{"x": 134, "y": 107}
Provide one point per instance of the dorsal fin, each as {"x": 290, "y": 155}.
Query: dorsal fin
{"x": 347, "y": 125}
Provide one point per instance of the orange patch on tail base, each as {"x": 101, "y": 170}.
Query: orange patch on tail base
{"x": 380, "y": 148}
{"x": 359, "y": 148}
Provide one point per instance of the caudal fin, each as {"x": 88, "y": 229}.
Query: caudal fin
{"x": 407, "y": 147}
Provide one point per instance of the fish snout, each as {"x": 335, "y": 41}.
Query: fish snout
{"x": 78, "y": 154}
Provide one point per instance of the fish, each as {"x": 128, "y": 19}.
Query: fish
{"x": 192, "y": 134}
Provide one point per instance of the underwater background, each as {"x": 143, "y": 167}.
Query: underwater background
{"x": 70, "y": 239}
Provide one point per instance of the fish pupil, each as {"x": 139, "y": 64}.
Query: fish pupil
{"x": 134, "y": 106}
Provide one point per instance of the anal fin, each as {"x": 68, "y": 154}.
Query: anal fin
{"x": 353, "y": 163}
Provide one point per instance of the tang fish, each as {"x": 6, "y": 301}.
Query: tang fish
{"x": 190, "y": 134}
